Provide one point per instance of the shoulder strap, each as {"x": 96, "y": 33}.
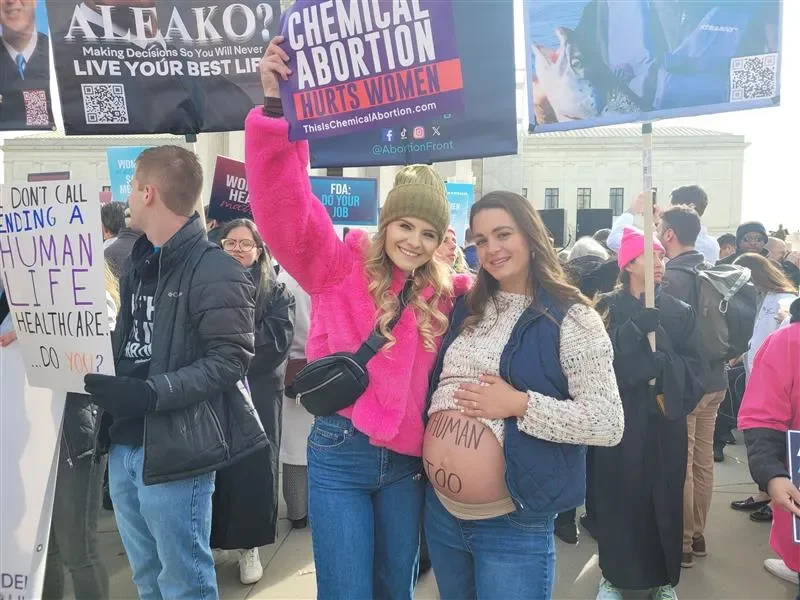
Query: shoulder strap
{"x": 376, "y": 341}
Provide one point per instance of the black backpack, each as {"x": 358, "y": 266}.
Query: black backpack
{"x": 726, "y": 309}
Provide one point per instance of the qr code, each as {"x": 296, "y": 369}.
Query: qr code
{"x": 105, "y": 103}
{"x": 754, "y": 77}
{"x": 36, "y": 113}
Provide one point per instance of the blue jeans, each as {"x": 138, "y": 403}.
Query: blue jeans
{"x": 365, "y": 508}
{"x": 165, "y": 529}
{"x": 510, "y": 557}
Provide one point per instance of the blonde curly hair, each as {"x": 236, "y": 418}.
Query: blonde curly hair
{"x": 431, "y": 321}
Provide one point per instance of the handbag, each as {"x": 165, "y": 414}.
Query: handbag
{"x": 329, "y": 384}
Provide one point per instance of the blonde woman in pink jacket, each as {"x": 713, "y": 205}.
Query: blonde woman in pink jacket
{"x": 365, "y": 474}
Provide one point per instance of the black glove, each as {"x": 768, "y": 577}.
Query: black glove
{"x": 122, "y": 397}
{"x": 647, "y": 320}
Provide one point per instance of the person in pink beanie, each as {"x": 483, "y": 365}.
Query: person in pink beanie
{"x": 770, "y": 408}
{"x": 637, "y": 486}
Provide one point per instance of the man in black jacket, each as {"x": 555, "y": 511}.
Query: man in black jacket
{"x": 178, "y": 408}
{"x": 680, "y": 226}
{"x": 119, "y": 251}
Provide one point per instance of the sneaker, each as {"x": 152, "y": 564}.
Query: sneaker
{"x": 250, "y": 569}
{"x": 699, "y": 546}
{"x": 665, "y": 592}
{"x": 220, "y": 556}
{"x": 775, "y": 566}
{"x": 687, "y": 560}
{"x": 608, "y": 592}
{"x": 567, "y": 533}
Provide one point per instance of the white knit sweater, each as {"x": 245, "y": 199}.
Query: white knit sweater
{"x": 593, "y": 413}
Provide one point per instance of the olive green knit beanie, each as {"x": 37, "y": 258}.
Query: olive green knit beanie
{"x": 418, "y": 192}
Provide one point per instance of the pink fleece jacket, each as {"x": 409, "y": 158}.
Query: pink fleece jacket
{"x": 772, "y": 401}
{"x": 299, "y": 233}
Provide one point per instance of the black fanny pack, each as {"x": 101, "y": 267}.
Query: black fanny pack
{"x": 327, "y": 385}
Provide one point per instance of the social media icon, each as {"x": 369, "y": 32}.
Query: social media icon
{"x": 387, "y": 135}
{"x": 436, "y": 132}
{"x": 419, "y": 133}
{"x": 404, "y": 133}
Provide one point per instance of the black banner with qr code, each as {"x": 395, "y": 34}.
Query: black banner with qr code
{"x": 24, "y": 67}
{"x": 159, "y": 66}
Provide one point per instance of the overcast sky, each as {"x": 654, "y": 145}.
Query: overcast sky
{"x": 773, "y": 159}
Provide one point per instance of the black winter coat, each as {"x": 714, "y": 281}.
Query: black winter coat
{"x": 77, "y": 433}
{"x": 202, "y": 346}
{"x": 638, "y": 485}
{"x": 245, "y": 500}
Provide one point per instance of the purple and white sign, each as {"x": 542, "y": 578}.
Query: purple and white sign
{"x": 370, "y": 64}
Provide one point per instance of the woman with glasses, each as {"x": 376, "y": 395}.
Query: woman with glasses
{"x": 246, "y": 497}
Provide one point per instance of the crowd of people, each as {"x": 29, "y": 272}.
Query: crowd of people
{"x": 511, "y": 384}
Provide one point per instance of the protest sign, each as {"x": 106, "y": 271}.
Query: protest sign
{"x": 366, "y": 65}
{"x": 30, "y": 431}
{"x": 350, "y": 201}
{"x": 229, "y": 196}
{"x": 460, "y": 196}
{"x": 172, "y": 66}
{"x": 602, "y": 63}
{"x": 25, "y": 101}
{"x": 51, "y": 256}
{"x": 793, "y": 443}
{"x": 484, "y": 36}
{"x": 121, "y": 167}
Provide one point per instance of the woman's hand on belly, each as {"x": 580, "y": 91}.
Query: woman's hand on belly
{"x": 463, "y": 459}
{"x": 493, "y": 398}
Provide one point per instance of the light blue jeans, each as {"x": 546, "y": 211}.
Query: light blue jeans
{"x": 165, "y": 529}
{"x": 510, "y": 557}
{"x": 365, "y": 508}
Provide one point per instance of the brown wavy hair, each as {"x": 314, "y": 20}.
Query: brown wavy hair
{"x": 765, "y": 274}
{"x": 431, "y": 321}
{"x": 544, "y": 272}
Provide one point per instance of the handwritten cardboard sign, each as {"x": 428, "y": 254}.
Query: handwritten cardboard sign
{"x": 51, "y": 257}
{"x": 229, "y": 197}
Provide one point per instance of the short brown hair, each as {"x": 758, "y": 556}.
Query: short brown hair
{"x": 176, "y": 173}
{"x": 684, "y": 221}
{"x": 693, "y": 195}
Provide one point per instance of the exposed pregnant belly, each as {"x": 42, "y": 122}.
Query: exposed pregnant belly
{"x": 463, "y": 459}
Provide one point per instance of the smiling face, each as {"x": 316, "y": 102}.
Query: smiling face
{"x": 753, "y": 242}
{"x": 636, "y": 268}
{"x": 242, "y": 246}
{"x": 410, "y": 243}
{"x": 17, "y": 17}
{"x": 447, "y": 251}
{"x": 503, "y": 249}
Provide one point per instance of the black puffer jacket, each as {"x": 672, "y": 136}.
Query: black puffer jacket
{"x": 202, "y": 347}
{"x": 77, "y": 433}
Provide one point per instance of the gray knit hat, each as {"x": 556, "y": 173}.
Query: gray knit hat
{"x": 418, "y": 192}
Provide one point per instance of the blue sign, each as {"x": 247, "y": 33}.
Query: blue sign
{"x": 595, "y": 62}
{"x": 460, "y": 196}
{"x": 487, "y": 126}
{"x": 350, "y": 201}
{"x": 121, "y": 166}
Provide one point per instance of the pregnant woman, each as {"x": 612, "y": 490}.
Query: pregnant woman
{"x": 524, "y": 381}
